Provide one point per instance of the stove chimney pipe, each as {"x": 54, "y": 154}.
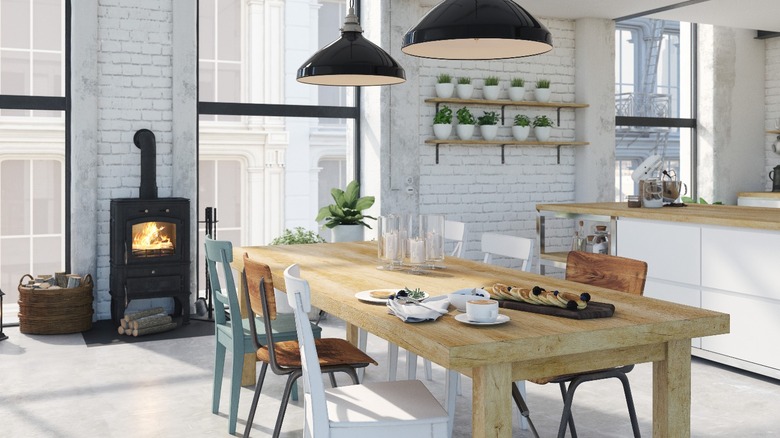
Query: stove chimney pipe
{"x": 144, "y": 140}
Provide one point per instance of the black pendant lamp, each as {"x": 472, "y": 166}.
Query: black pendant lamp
{"x": 351, "y": 60}
{"x": 477, "y": 29}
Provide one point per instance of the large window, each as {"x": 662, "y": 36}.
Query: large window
{"x": 32, "y": 142}
{"x": 654, "y": 71}
{"x": 269, "y": 146}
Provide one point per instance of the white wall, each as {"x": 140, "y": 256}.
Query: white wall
{"x": 772, "y": 102}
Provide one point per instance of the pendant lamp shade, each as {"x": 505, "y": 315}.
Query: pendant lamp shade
{"x": 351, "y": 61}
{"x": 477, "y": 29}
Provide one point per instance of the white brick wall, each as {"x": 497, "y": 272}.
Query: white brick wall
{"x": 772, "y": 101}
{"x": 470, "y": 184}
{"x": 134, "y": 92}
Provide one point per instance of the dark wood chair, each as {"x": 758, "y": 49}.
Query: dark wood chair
{"x": 611, "y": 272}
{"x": 284, "y": 358}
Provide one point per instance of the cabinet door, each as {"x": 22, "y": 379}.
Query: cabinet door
{"x": 754, "y": 323}
{"x": 672, "y": 251}
{"x": 676, "y": 293}
{"x": 743, "y": 261}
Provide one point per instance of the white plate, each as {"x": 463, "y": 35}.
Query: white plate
{"x": 464, "y": 318}
{"x": 366, "y": 295}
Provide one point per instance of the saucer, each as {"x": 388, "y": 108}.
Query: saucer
{"x": 464, "y": 318}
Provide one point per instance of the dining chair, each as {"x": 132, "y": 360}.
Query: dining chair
{"x": 611, "y": 272}
{"x": 232, "y": 332}
{"x": 376, "y": 410}
{"x": 283, "y": 357}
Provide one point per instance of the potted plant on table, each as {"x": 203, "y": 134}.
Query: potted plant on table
{"x": 542, "y": 127}
{"x": 516, "y": 89}
{"x": 442, "y": 123}
{"x": 488, "y": 125}
{"x": 491, "y": 88}
{"x": 466, "y": 122}
{"x": 464, "y": 88}
{"x": 345, "y": 217}
{"x": 521, "y": 128}
{"x": 542, "y": 90}
{"x": 444, "y": 86}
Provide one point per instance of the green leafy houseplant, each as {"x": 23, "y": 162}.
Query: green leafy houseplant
{"x": 541, "y": 121}
{"x": 443, "y": 116}
{"x": 522, "y": 120}
{"x": 543, "y": 83}
{"x": 444, "y": 78}
{"x": 348, "y": 207}
{"x": 517, "y": 82}
{"x": 297, "y": 236}
{"x": 490, "y": 118}
{"x": 465, "y": 117}
{"x": 464, "y": 81}
{"x": 491, "y": 81}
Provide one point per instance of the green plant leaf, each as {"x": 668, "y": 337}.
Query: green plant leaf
{"x": 323, "y": 213}
{"x": 364, "y": 203}
{"x": 351, "y": 195}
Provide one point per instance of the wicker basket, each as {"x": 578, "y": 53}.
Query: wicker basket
{"x": 55, "y": 311}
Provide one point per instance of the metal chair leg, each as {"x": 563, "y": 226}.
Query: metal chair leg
{"x": 523, "y": 408}
{"x": 333, "y": 383}
{"x": 566, "y": 416}
{"x": 285, "y": 399}
{"x": 258, "y": 388}
{"x": 630, "y": 404}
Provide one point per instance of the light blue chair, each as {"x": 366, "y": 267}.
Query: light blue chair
{"x": 236, "y": 338}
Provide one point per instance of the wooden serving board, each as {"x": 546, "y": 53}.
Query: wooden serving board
{"x": 594, "y": 309}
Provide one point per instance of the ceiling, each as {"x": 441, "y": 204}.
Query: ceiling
{"x": 747, "y": 14}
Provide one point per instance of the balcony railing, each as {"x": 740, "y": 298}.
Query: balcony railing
{"x": 643, "y": 105}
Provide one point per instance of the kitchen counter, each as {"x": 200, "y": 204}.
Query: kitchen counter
{"x": 706, "y": 214}
{"x": 716, "y": 257}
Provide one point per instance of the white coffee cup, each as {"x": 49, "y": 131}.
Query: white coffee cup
{"x": 482, "y": 310}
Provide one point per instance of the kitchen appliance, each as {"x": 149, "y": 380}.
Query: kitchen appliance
{"x": 774, "y": 175}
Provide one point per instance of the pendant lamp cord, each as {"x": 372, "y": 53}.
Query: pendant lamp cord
{"x": 351, "y": 22}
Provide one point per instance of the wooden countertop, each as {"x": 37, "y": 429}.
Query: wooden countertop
{"x": 767, "y": 195}
{"x": 723, "y": 215}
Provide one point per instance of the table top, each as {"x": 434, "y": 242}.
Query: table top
{"x": 337, "y": 271}
{"x": 724, "y": 215}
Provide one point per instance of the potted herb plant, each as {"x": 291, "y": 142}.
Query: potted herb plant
{"x": 466, "y": 122}
{"x": 297, "y": 236}
{"x": 464, "y": 88}
{"x": 542, "y": 127}
{"x": 442, "y": 123}
{"x": 521, "y": 128}
{"x": 488, "y": 125}
{"x": 345, "y": 217}
{"x": 444, "y": 86}
{"x": 516, "y": 89}
{"x": 491, "y": 88}
{"x": 542, "y": 90}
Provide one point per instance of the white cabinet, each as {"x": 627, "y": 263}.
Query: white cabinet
{"x": 672, "y": 251}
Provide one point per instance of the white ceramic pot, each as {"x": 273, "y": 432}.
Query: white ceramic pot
{"x": 516, "y": 94}
{"x": 542, "y": 94}
{"x": 465, "y": 132}
{"x": 488, "y": 131}
{"x": 490, "y": 92}
{"x": 346, "y": 233}
{"x": 520, "y": 133}
{"x": 542, "y": 133}
{"x": 464, "y": 91}
{"x": 445, "y": 90}
{"x": 442, "y": 130}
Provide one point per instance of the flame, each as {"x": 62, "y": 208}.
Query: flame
{"x": 151, "y": 237}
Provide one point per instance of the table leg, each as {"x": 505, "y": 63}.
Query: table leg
{"x": 491, "y": 406}
{"x": 672, "y": 391}
{"x": 352, "y": 334}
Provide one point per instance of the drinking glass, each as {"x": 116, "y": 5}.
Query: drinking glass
{"x": 432, "y": 228}
{"x": 387, "y": 240}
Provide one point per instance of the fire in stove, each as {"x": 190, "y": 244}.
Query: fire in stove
{"x": 154, "y": 239}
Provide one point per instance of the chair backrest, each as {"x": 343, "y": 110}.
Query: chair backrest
{"x": 611, "y": 272}
{"x": 508, "y": 246}
{"x": 259, "y": 293}
{"x": 316, "y": 422}
{"x": 219, "y": 255}
{"x": 456, "y": 231}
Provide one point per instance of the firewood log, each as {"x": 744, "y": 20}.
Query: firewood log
{"x": 154, "y": 329}
{"x": 149, "y": 321}
{"x": 142, "y": 313}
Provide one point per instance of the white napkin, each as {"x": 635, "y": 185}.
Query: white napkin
{"x": 417, "y": 313}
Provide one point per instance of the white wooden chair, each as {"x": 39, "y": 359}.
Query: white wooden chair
{"x": 378, "y": 410}
{"x": 515, "y": 247}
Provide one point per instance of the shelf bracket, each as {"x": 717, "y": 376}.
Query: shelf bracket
{"x": 502, "y": 153}
{"x": 437, "y": 153}
{"x": 559, "y": 117}
{"x": 559, "y": 154}
{"x": 502, "y": 113}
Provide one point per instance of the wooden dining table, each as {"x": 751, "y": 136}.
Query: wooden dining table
{"x": 529, "y": 345}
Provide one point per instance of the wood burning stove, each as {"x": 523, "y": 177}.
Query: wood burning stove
{"x": 149, "y": 243}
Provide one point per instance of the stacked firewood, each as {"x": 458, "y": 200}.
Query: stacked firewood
{"x": 146, "y": 322}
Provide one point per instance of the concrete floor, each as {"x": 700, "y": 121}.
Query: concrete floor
{"x": 55, "y": 386}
